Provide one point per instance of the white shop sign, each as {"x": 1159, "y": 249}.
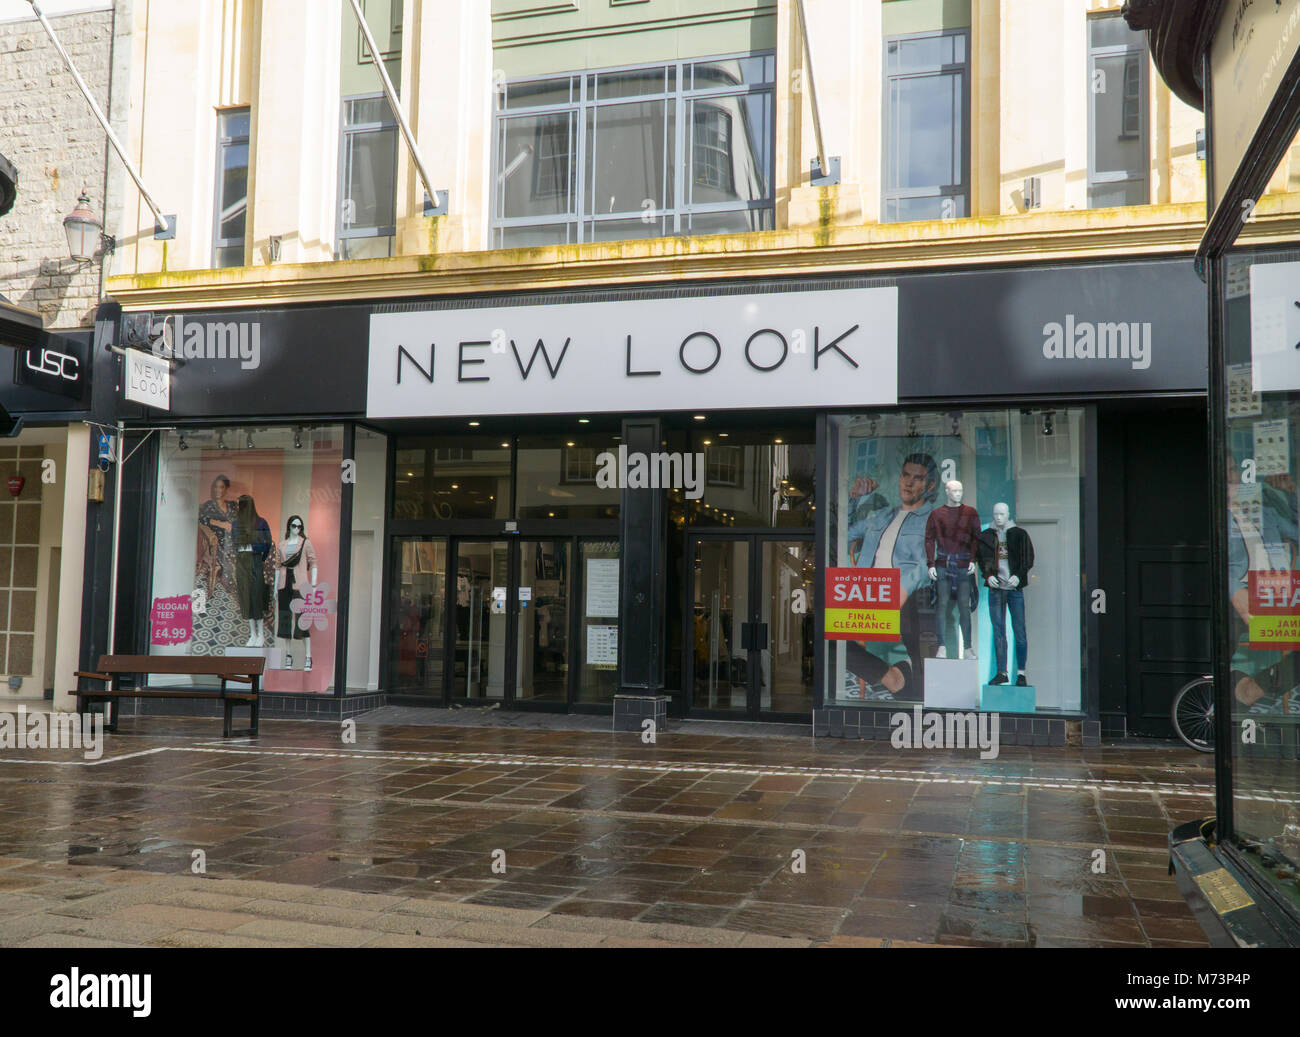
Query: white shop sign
{"x": 780, "y": 350}
{"x": 148, "y": 380}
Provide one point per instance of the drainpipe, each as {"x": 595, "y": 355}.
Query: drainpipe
{"x": 166, "y": 224}
{"x": 824, "y": 172}
{"x": 432, "y": 205}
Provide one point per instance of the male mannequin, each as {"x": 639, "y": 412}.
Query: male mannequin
{"x": 1006, "y": 554}
{"x": 951, "y": 535}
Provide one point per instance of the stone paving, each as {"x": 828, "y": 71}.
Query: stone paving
{"x": 393, "y": 840}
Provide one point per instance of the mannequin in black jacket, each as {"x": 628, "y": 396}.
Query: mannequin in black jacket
{"x": 1006, "y": 554}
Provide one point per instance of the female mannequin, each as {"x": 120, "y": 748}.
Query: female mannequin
{"x": 297, "y": 558}
{"x": 252, "y": 546}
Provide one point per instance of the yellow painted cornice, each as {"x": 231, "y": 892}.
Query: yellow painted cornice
{"x": 875, "y": 248}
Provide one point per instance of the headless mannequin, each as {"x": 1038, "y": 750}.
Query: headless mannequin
{"x": 1005, "y": 593}
{"x": 954, "y": 491}
{"x": 289, "y": 548}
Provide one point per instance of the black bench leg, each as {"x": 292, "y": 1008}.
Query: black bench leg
{"x": 229, "y": 705}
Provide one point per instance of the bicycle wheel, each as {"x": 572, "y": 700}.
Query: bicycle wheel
{"x": 1192, "y": 714}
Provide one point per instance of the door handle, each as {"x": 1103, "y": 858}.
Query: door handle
{"x": 760, "y": 636}
{"x": 746, "y": 637}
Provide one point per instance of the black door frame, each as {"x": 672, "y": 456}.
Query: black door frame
{"x": 446, "y": 697}
{"x": 753, "y": 710}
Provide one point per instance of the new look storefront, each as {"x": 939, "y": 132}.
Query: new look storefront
{"x": 748, "y": 500}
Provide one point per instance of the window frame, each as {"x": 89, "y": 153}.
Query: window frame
{"x": 1111, "y": 178}
{"x": 225, "y": 142}
{"x": 343, "y": 233}
{"x": 580, "y": 222}
{"x": 963, "y": 189}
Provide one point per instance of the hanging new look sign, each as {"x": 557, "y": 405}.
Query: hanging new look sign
{"x": 781, "y": 349}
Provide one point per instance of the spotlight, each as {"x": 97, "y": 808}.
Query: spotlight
{"x": 297, "y": 439}
{"x": 249, "y": 442}
{"x": 182, "y": 444}
{"x": 221, "y": 441}
{"x": 1049, "y": 423}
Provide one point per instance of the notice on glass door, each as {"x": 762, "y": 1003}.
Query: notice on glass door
{"x": 602, "y": 646}
{"x": 1272, "y": 447}
{"x": 602, "y": 588}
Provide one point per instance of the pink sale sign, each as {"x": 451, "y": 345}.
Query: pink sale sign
{"x": 172, "y": 621}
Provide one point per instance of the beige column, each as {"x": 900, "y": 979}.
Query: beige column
{"x": 447, "y": 86}
{"x": 67, "y": 650}
{"x": 986, "y": 107}
{"x": 296, "y": 132}
{"x": 846, "y": 51}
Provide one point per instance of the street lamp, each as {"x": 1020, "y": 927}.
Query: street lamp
{"x": 86, "y": 237}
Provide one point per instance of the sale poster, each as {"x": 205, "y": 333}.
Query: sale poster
{"x": 171, "y": 621}
{"x": 1275, "y": 609}
{"x": 863, "y": 605}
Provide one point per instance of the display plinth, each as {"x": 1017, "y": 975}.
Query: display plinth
{"x": 952, "y": 683}
{"x": 1008, "y": 698}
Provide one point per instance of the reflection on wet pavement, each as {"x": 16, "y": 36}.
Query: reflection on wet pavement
{"x": 909, "y": 846}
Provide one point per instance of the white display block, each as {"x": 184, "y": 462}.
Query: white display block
{"x": 952, "y": 683}
{"x": 266, "y": 653}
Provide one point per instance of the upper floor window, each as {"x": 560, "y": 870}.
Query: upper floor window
{"x": 681, "y": 148}
{"x": 231, "y": 215}
{"x": 367, "y": 179}
{"x": 1118, "y": 159}
{"x": 927, "y": 126}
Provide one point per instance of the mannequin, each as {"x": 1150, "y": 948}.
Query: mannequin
{"x": 296, "y": 558}
{"x": 252, "y": 537}
{"x": 951, "y": 536}
{"x": 1006, "y": 554}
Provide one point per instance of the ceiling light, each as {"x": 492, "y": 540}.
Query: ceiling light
{"x": 584, "y": 421}
{"x": 474, "y": 424}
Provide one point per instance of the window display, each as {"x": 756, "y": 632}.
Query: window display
{"x": 925, "y": 564}
{"x": 1263, "y": 573}
{"x": 247, "y": 535}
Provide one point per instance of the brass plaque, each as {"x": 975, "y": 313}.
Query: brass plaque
{"x": 1223, "y": 891}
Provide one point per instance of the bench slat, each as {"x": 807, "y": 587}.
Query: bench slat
{"x": 236, "y": 696}
{"x": 229, "y": 667}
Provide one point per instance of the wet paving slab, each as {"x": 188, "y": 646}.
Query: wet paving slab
{"x": 832, "y": 842}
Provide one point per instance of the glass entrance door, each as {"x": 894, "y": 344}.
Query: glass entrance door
{"x": 541, "y": 598}
{"x": 480, "y": 618}
{"x": 751, "y": 626}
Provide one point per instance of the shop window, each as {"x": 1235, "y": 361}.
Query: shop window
{"x": 753, "y": 478}
{"x": 934, "y": 641}
{"x": 545, "y": 489}
{"x": 1118, "y": 159}
{"x": 449, "y": 478}
{"x": 605, "y": 155}
{"x": 367, "y": 179}
{"x": 419, "y": 602}
{"x": 927, "y": 127}
{"x": 1261, "y": 330}
{"x": 246, "y": 549}
{"x": 231, "y": 217}
{"x": 366, "y": 586}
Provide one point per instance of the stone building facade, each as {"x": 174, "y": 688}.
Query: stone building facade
{"x": 59, "y": 149}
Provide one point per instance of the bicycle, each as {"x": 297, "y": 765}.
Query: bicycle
{"x": 1192, "y": 714}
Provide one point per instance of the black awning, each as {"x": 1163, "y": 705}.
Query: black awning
{"x": 19, "y": 328}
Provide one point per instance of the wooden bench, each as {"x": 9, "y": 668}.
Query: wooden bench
{"x": 238, "y": 669}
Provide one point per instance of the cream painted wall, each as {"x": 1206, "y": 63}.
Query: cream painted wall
{"x": 72, "y": 572}
{"x": 1028, "y": 96}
